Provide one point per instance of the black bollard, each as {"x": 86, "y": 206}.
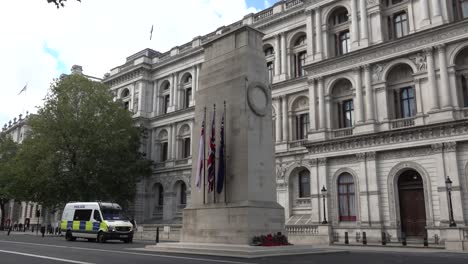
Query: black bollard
{"x": 384, "y": 238}
{"x": 403, "y": 239}
{"x": 346, "y": 239}
{"x": 157, "y": 234}
{"x": 9, "y": 230}
{"x": 43, "y": 230}
{"x": 426, "y": 243}
{"x": 364, "y": 238}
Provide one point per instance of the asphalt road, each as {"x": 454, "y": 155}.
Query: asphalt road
{"x": 27, "y": 248}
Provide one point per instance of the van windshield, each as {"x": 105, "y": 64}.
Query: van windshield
{"x": 112, "y": 214}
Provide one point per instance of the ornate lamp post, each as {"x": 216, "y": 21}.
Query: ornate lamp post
{"x": 324, "y": 194}
{"x": 448, "y": 184}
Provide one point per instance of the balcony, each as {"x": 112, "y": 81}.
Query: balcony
{"x": 402, "y": 123}
{"x": 342, "y": 132}
{"x": 293, "y": 3}
{"x": 184, "y": 161}
{"x": 465, "y": 112}
{"x": 297, "y": 143}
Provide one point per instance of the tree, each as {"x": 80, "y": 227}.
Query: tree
{"x": 8, "y": 149}
{"x": 59, "y": 3}
{"x": 83, "y": 146}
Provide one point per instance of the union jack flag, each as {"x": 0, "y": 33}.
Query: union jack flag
{"x": 212, "y": 157}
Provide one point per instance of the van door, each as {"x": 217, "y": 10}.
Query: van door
{"x": 80, "y": 220}
{"x": 96, "y": 221}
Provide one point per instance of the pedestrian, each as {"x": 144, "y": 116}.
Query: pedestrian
{"x": 43, "y": 229}
{"x": 9, "y": 230}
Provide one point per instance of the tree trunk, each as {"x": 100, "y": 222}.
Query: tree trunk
{"x": 2, "y": 211}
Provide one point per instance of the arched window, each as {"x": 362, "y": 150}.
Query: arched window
{"x": 339, "y": 31}
{"x": 269, "y": 56}
{"x": 163, "y": 146}
{"x": 343, "y": 105}
{"x": 165, "y": 94}
{"x": 125, "y": 93}
{"x": 304, "y": 184}
{"x": 396, "y": 13}
{"x": 187, "y": 90}
{"x": 183, "y": 194}
{"x": 184, "y": 142}
{"x": 269, "y": 51}
{"x": 461, "y": 67}
{"x": 300, "y": 110}
{"x": 346, "y": 197}
{"x": 299, "y": 56}
{"x": 401, "y": 90}
{"x": 160, "y": 195}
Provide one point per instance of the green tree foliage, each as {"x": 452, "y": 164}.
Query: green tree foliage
{"x": 83, "y": 146}
{"x": 8, "y": 150}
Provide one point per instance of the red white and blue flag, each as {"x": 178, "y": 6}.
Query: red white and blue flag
{"x": 201, "y": 157}
{"x": 212, "y": 157}
{"x": 221, "y": 172}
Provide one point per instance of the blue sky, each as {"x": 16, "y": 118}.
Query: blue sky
{"x": 260, "y": 4}
{"x": 39, "y": 49}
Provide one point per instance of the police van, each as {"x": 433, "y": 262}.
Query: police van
{"x": 95, "y": 221}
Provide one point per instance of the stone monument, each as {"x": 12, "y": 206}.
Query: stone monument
{"x": 235, "y": 71}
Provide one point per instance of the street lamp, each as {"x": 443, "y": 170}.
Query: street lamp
{"x": 324, "y": 194}
{"x": 448, "y": 184}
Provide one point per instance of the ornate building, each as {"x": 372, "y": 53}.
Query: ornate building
{"x": 370, "y": 103}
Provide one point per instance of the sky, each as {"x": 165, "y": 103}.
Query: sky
{"x": 39, "y": 42}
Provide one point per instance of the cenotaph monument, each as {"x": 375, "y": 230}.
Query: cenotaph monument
{"x": 234, "y": 71}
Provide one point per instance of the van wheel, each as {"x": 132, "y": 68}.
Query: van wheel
{"x": 69, "y": 237}
{"x": 100, "y": 238}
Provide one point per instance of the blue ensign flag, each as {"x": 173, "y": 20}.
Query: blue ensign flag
{"x": 221, "y": 173}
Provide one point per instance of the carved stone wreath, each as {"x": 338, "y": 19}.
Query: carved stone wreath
{"x": 258, "y": 98}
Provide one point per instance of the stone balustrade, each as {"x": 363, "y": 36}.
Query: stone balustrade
{"x": 263, "y": 14}
{"x": 342, "y": 132}
{"x": 297, "y": 143}
{"x": 293, "y": 3}
{"x": 401, "y": 123}
{"x": 302, "y": 230}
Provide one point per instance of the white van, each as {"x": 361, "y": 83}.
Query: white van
{"x": 96, "y": 221}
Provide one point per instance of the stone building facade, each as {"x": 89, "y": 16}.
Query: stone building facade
{"x": 370, "y": 103}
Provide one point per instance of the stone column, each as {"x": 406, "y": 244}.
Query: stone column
{"x": 285, "y": 118}
{"x": 291, "y": 126}
{"x": 364, "y": 23}
{"x": 359, "y": 106}
{"x": 363, "y": 191}
{"x": 444, "y": 81}
{"x": 284, "y": 55}
{"x": 172, "y": 90}
{"x": 312, "y": 121}
{"x": 321, "y": 97}
{"x": 169, "y": 142}
{"x": 451, "y": 169}
{"x": 310, "y": 33}
{"x": 434, "y": 102}
{"x": 277, "y": 55}
{"x": 155, "y": 97}
{"x": 176, "y": 92}
{"x": 370, "y": 111}
{"x": 318, "y": 34}
{"x": 354, "y": 24}
{"x": 453, "y": 87}
{"x": 373, "y": 190}
{"x": 278, "y": 120}
{"x": 424, "y": 5}
{"x": 322, "y": 181}
{"x": 417, "y": 88}
{"x": 436, "y": 12}
{"x": 315, "y": 195}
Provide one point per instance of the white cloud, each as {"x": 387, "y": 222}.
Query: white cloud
{"x": 98, "y": 35}
{"x": 266, "y": 4}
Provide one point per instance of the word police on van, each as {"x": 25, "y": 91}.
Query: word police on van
{"x": 96, "y": 221}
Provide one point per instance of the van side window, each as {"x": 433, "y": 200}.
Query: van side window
{"x": 97, "y": 216}
{"x": 82, "y": 215}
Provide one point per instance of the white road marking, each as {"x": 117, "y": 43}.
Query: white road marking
{"x": 44, "y": 257}
{"x": 129, "y": 253}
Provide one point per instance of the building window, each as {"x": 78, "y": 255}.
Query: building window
{"x": 389, "y": 3}
{"x": 404, "y": 102}
{"x": 270, "y": 68}
{"x": 160, "y": 195}
{"x": 166, "y": 104}
{"x": 346, "y": 108}
{"x": 346, "y": 198}
{"x": 164, "y": 151}
{"x": 340, "y": 16}
{"x": 269, "y": 51}
{"x": 188, "y": 97}
{"x": 460, "y": 9}
{"x": 186, "y": 148}
{"x": 299, "y": 62}
{"x": 400, "y": 25}
{"x": 464, "y": 83}
{"x": 302, "y": 122}
{"x": 304, "y": 184}
{"x": 343, "y": 42}
{"x": 126, "y": 105}
{"x": 183, "y": 193}
{"x": 125, "y": 93}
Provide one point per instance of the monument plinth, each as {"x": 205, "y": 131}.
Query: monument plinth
{"x": 235, "y": 72}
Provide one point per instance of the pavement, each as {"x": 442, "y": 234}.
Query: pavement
{"x": 29, "y": 248}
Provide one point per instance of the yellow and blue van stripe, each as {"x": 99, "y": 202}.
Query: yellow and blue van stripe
{"x": 86, "y": 226}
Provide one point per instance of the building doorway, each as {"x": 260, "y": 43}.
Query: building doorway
{"x": 412, "y": 204}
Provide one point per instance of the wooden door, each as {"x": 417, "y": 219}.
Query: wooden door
{"x": 412, "y": 211}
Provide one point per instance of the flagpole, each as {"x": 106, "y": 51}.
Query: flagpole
{"x": 214, "y": 160}
{"x": 225, "y": 157}
{"x": 204, "y": 163}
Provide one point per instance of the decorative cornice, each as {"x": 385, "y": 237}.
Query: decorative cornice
{"x": 385, "y": 138}
{"x": 381, "y": 52}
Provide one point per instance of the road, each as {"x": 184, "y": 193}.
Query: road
{"x": 27, "y": 248}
